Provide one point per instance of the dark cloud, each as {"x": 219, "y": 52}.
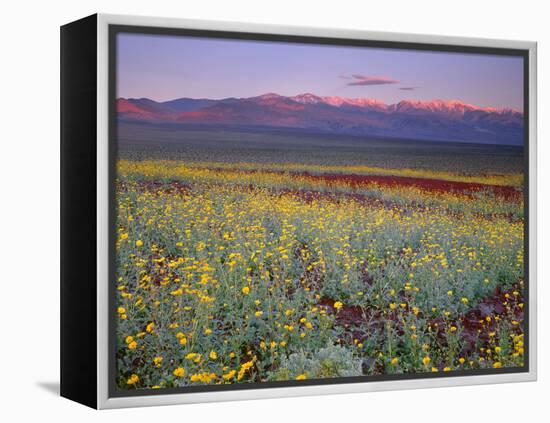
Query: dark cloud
{"x": 365, "y": 80}
{"x": 408, "y": 88}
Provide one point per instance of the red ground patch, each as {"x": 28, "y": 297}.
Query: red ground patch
{"x": 439, "y": 185}
{"x": 477, "y": 324}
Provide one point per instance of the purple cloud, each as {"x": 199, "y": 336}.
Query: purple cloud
{"x": 365, "y": 80}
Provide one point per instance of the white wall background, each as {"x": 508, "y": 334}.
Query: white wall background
{"x": 29, "y": 197}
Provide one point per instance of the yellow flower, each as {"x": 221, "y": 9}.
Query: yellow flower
{"x": 258, "y": 313}
{"x": 426, "y": 360}
{"x": 229, "y": 375}
{"x": 213, "y": 355}
{"x": 204, "y": 377}
{"x": 338, "y": 305}
{"x": 498, "y": 349}
{"x": 150, "y": 327}
{"x": 121, "y": 310}
{"x": 245, "y": 290}
{"x": 179, "y": 372}
{"x": 129, "y": 339}
{"x": 461, "y": 360}
{"x": 393, "y": 306}
{"x": 497, "y": 365}
{"x": 446, "y": 369}
{"x": 449, "y": 292}
{"x": 132, "y": 345}
{"x": 301, "y": 377}
{"x": 244, "y": 368}
{"x": 139, "y": 243}
{"x": 394, "y": 361}
{"x": 132, "y": 380}
{"x": 464, "y": 300}
{"x": 157, "y": 361}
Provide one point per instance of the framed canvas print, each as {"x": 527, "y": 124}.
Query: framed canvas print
{"x": 254, "y": 211}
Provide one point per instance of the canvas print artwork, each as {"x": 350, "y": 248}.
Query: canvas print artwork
{"x": 289, "y": 213}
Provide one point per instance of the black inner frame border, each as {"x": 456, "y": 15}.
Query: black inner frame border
{"x": 115, "y": 29}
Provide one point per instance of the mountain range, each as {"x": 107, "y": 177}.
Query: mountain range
{"x": 441, "y": 120}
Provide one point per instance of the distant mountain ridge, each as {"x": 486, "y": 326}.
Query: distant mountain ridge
{"x": 442, "y": 120}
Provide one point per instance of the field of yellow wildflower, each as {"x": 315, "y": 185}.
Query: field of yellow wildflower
{"x": 232, "y": 273}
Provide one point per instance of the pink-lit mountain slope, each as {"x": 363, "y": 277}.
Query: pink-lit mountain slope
{"x": 442, "y": 120}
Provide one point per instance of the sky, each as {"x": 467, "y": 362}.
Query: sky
{"x": 162, "y": 67}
